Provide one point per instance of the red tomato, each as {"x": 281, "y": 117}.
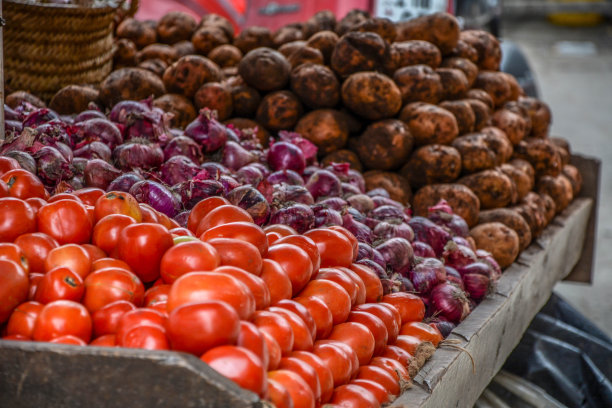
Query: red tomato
{"x": 376, "y": 327}
{"x": 354, "y": 396}
{"x": 384, "y": 314}
{"x": 298, "y": 389}
{"x": 108, "y": 285}
{"x": 360, "y": 295}
{"x": 202, "y": 286}
{"x": 321, "y": 314}
{"x": 302, "y": 340}
{"x": 145, "y": 337}
{"x": 295, "y": 262}
{"x": 181, "y": 232}
{"x": 333, "y": 295}
{"x": 16, "y": 218}
{"x": 393, "y": 367}
{"x": 198, "y": 327}
{"x": 8, "y": 164}
{"x": 335, "y": 359}
{"x": 324, "y": 374}
{"x": 68, "y": 339}
{"x": 106, "y": 319}
{"x": 238, "y": 253}
{"x": 410, "y": 306}
{"x": 307, "y": 245}
{"x": 23, "y": 184}
{"x": 352, "y": 355}
{"x": 142, "y": 246}
{"x": 272, "y": 237}
{"x": 379, "y": 392}
{"x": 252, "y": 339}
{"x": 348, "y": 234}
{"x": 282, "y": 229}
{"x": 23, "y": 318}
{"x": 191, "y": 256}
{"x": 276, "y": 280}
{"x": 148, "y": 213}
{"x": 380, "y": 376}
{"x": 304, "y": 370}
{"x": 422, "y": 331}
{"x": 94, "y": 252}
{"x": 106, "y": 231}
{"x": 274, "y": 350}
{"x": 335, "y": 249}
{"x": 201, "y": 210}
{"x": 35, "y": 203}
{"x": 166, "y": 221}
{"x": 107, "y": 340}
{"x": 36, "y": 246}
{"x": 358, "y": 337}
{"x": 12, "y": 252}
{"x": 239, "y": 365}
{"x": 395, "y": 313}
{"x": 221, "y": 215}
{"x": 397, "y": 353}
{"x": 4, "y": 190}
{"x": 34, "y": 280}
{"x": 108, "y": 263}
{"x": 277, "y": 326}
{"x": 59, "y": 283}
{"x": 117, "y": 202}
{"x": 300, "y": 310}
{"x": 15, "y": 337}
{"x": 66, "y": 221}
{"x": 342, "y": 279}
{"x": 255, "y": 284}
{"x": 64, "y": 196}
{"x": 156, "y": 294}
{"x": 408, "y": 343}
{"x": 14, "y": 287}
{"x": 72, "y": 256}
{"x": 244, "y": 231}
{"x": 60, "y": 318}
{"x": 278, "y": 395}
{"x": 373, "y": 286}
{"x": 89, "y": 195}
{"x": 144, "y": 316}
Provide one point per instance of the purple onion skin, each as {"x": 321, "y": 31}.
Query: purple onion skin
{"x": 88, "y": 114}
{"x": 178, "y": 169}
{"x": 11, "y": 114}
{"x": 427, "y": 273}
{"x": 401, "y": 284}
{"x": 364, "y": 251}
{"x": 208, "y": 132}
{"x": 450, "y": 302}
{"x": 78, "y": 166}
{"x": 335, "y": 203}
{"x": 453, "y": 222}
{"x": 285, "y": 176}
{"x": 51, "y": 166}
{"x": 324, "y": 183}
{"x": 285, "y": 193}
{"x": 362, "y": 232}
{"x": 183, "y": 146}
{"x": 388, "y": 212}
{"x": 228, "y": 183}
{"x": 53, "y": 132}
{"x": 486, "y": 257}
{"x": 13, "y": 126}
{"x": 249, "y": 174}
{"x": 101, "y": 130}
{"x": 445, "y": 327}
{"x": 155, "y": 195}
{"x": 94, "y": 150}
{"x": 426, "y": 231}
{"x": 422, "y": 250}
{"x": 326, "y": 217}
{"x": 39, "y": 116}
{"x": 100, "y": 174}
{"x": 65, "y": 150}
{"x": 124, "y": 182}
{"x": 386, "y": 230}
{"x": 349, "y": 190}
{"x": 214, "y": 170}
{"x": 298, "y": 216}
{"x": 235, "y": 156}
{"x": 124, "y": 110}
{"x": 182, "y": 218}
{"x": 265, "y": 171}
{"x": 378, "y": 192}
{"x": 133, "y": 155}
{"x": 478, "y": 267}
{"x": 462, "y": 241}
{"x": 356, "y": 179}
{"x": 378, "y": 270}
{"x": 192, "y": 191}
{"x": 309, "y": 171}
{"x": 361, "y": 202}
{"x": 454, "y": 277}
{"x": 458, "y": 256}
{"x": 26, "y": 161}
{"x": 476, "y": 285}
{"x": 380, "y": 201}
{"x": 286, "y": 156}
{"x": 397, "y": 254}
{"x": 251, "y": 200}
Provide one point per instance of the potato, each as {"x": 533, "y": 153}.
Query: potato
{"x": 463, "y": 113}
{"x": 476, "y": 155}
{"x": 356, "y": 52}
{"x": 371, "y": 95}
{"x": 511, "y": 219}
{"x": 501, "y": 241}
{"x": 464, "y": 50}
{"x": 245, "y": 99}
{"x": 215, "y": 20}
{"x": 521, "y": 180}
{"x": 462, "y": 200}
{"x": 350, "y": 20}
{"x": 481, "y": 111}
{"x": 73, "y": 99}
{"x": 243, "y": 124}
{"x": 324, "y": 41}
{"x": 525, "y": 167}
{"x": 515, "y": 89}
{"x": 125, "y": 53}
{"x": 290, "y": 47}
{"x": 549, "y": 206}
{"x": 487, "y": 46}
{"x": 495, "y": 84}
{"x": 441, "y": 29}
{"x": 497, "y": 141}
{"x": 181, "y": 107}
{"x": 225, "y": 55}
{"x": 558, "y": 188}
{"x": 137, "y": 31}
{"x": 397, "y": 186}
{"x": 469, "y": 69}
{"x": 482, "y": 96}
{"x": 415, "y": 52}
{"x": 253, "y": 37}
{"x": 492, "y": 187}
{"x": 323, "y": 20}
{"x": 561, "y": 142}
{"x": 184, "y": 48}
{"x": 176, "y": 26}
{"x": 279, "y": 110}
{"x": 537, "y": 211}
{"x": 540, "y": 115}
{"x": 288, "y": 33}
{"x": 305, "y": 55}
{"x": 229, "y": 72}
{"x": 155, "y": 65}
{"x": 575, "y": 178}
{"x": 328, "y": 129}
{"x": 454, "y": 83}
{"x": 207, "y": 38}
{"x": 381, "y": 26}
{"x": 215, "y": 95}
{"x": 130, "y": 83}
{"x": 342, "y": 156}
{"x": 163, "y": 52}
{"x": 14, "y": 99}
{"x": 418, "y": 83}
{"x": 189, "y": 73}
{"x": 316, "y": 85}
{"x": 384, "y": 145}
{"x": 517, "y": 108}
{"x": 265, "y": 69}
{"x": 429, "y": 124}
{"x": 432, "y": 164}
{"x": 542, "y": 154}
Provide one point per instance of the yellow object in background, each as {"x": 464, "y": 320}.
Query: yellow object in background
{"x": 576, "y": 19}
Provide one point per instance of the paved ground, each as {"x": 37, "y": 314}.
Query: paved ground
{"x": 573, "y": 67}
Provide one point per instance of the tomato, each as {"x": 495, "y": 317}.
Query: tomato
{"x": 348, "y": 234}
{"x": 188, "y": 257}
{"x": 59, "y": 283}
{"x": 106, "y": 231}
{"x": 335, "y": 359}
{"x": 36, "y": 246}
{"x": 244, "y": 231}
{"x": 276, "y": 280}
{"x": 117, "y": 202}
{"x": 15, "y": 337}
{"x": 239, "y": 365}
{"x": 142, "y": 246}
{"x": 23, "y": 318}
{"x": 281, "y": 229}
{"x": 252, "y": 339}
{"x": 304, "y": 370}
{"x": 410, "y": 306}
{"x": 380, "y": 376}
{"x": 34, "y": 280}
{"x": 166, "y": 221}
{"x": 299, "y": 390}
{"x": 108, "y": 285}
{"x": 255, "y": 284}
{"x": 238, "y": 253}
{"x": 278, "y": 395}
{"x": 324, "y": 374}
{"x": 422, "y": 331}
{"x": 107, "y": 340}
{"x": 104, "y": 263}
{"x": 321, "y": 314}
{"x": 8, "y": 164}
{"x": 64, "y": 196}
{"x": 350, "y": 353}
{"x": 307, "y": 245}
{"x": 277, "y": 326}
{"x": 354, "y": 396}
{"x": 35, "y": 203}
{"x": 181, "y": 232}
{"x": 342, "y": 279}
{"x": 145, "y": 337}
{"x": 12, "y": 252}
{"x": 393, "y": 367}
{"x": 274, "y": 350}
{"x": 202, "y": 286}
{"x": 66, "y": 221}
{"x": 333, "y": 295}
{"x": 106, "y": 319}
{"x": 408, "y": 343}
{"x": 396, "y": 316}
{"x": 94, "y": 252}
{"x": 89, "y": 195}
{"x": 376, "y": 327}
{"x": 198, "y": 327}
{"x": 272, "y": 237}
{"x": 379, "y": 392}
{"x": 302, "y": 340}
{"x": 144, "y": 316}
{"x": 68, "y": 339}
{"x": 335, "y": 249}
{"x": 223, "y": 214}
{"x": 360, "y": 294}
{"x": 149, "y": 214}
{"x": 201, "y": 209}
{"x": 4, "y": 190}
{"x": 60, "y": 318}
{"x": 373, "y": 286}
{"x": 23, "y": 184}
{"x": 16, "y": 218}
{"x": 14, "y": 287}
{"x": 384, "y": 314}
{"x": 156, "y": 294}
{"x": 72, "y": 256}
{"x": 300, "y": 310}
{"x": 295, "y": 262}
{"x": 397, "y": 353}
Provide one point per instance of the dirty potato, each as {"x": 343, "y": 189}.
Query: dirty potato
{"x": 462, "y": 200}
{"x": 265, "y": 69}
{"x": 215, "y": 95}
{"x": 464, "y": 114}
{"x": 429, "y": 124}
{"x": 279, "y": 110}
{"x": 501, "y": 241}
{"x": 397, "y": 186}
{"x": 371, "y": 95}
{"x": 328, "y": 129}
{"x": 432, "y": 164}
{"x": 384, "y": 145}
{"x": 316, "y": 85}
{"x": 181, "y": 107}
{"x": 511, "y": 219}
{"x": 189, "y": 73}
{"x": 130, "y": 84}
{"x": 492, "y": 187}
{"x": 418, "y": 83}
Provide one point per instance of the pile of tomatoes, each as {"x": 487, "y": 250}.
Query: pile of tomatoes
{"x": 290, "y": 317}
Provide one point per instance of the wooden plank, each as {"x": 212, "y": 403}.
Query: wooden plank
{"x": 495, "y": 327}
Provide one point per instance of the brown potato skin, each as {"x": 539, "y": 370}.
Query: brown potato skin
{"x": 371, "y": 95}
{"x": 498, "y": 142}
{"x": 521, "y": 180}
{"x": 73, "y": 99}
{"x": 510, "y": 218}
{"x": 357, "y": 51}
{"x": 540, "y": 115}
{"x": 184, "y": 48}
{"x": 563, "y": 149}
{"x": 225, "y": 56}
{"x": 175, "y": 26}
{"x": 466, "y": 119}
{"x": 493, "y": 188}
{"x": 265, "y": 69}
{"x": 415, "y": 52}
{"x": 244, "y": 123}
{"x": 558, "y": 188}
{"x": 495, "y": 84}
{"x": 482, "y": 96}
{"x": 462, "y": 200}
{"x": 501, "y": 241}
{"x": 164, "y": 52}
{"x": 573, "y": 175}
{"x": 253, "y": 37}
{"x": 542, "y": 154}
{"x": 454, "y": 83}
{"x": 350, "y": 20}
{"x": 215, "y": 20}
{"x": 516, "y": 107}
{"x": 515, "y": 89}
{"x": 215, "y": 95}
{"x": 316, "y": 85}
{"x": 432, "y": 164}
{"x": 487, "y": 47}
{"x": 464, "y": 50}
{"x": 384, "y": 145}
{"x": 418, "y": 83}
{"x": 305, "y": 55}
{"x": 130, "y": 83}
{"x": 155, "y": 65}
{"x": 324, "y": 41}
{"x": 441, "y": 29}
{"x": 182, "y": 108}
{"x": 279, "y": 110}
{"x": 397, "y": 186}
{"x": 207, "y": 38}
{"x": 482, "y": 113}
{"x": 137, "y": 31}
{"x": 512, "y": 124}
{"x": 288, "y": 48}
{"x": 533, "y": 215}
{"x": 476, "y": 155}
{"x": 469, "y": 69}
{"x": 328, "y": 129}
{"x": 189, "y": 73}
{"x": 125, "y": 54}
{"x": 324, "y": 20}
{"x": 342, "y": 156}
{"x": 429, "y": 124}
{"x": 288, "y": 33}
{"x": 245, "y": 99}
{"x": 550, "y": 208}
{"x": 14, "y": 99}
{"x": 381, "y": 26}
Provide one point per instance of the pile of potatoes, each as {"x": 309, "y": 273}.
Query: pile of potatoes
{"x": 418, "y": 106}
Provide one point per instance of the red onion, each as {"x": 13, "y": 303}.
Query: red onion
{"x": 138, "y": 154}
{"x": 391, "y": 229}
{"x": 228, "y": 183}
{"x": 11, "y": 114}
{"x": 478, "y": 267}
{"x": 349, "y": 190}
{"x": 124, "y": 182}
{"x": 213, "y": 170}
{"x": 25, "y": 160}
{"x": 427, "y": 274}
{"x": 397, "y": 254}
{"x": 39, "y": 116}
{"x": 265, "y": 171}
{"x": 141, "y": 120}
{"x": 325, "y": 217}
{"x": 324, "y": 183}
{"x": 298, "y": 216}
{"x": 99, "y": 129}
{"x": 348, "y": 175}
{"x": 52, "y": 167}
{"x": 380, "y": 201}
{"x": 444, "y": 326}
{"x": 249, "y": 174}
{"x": 355, "y": 178}
{"x": 388, "y": 212}
{"x": 157, "y": 196}
{"x": 235, "y": 156}
{"x": 78, "y": 166}
{"x": 401, "y": 284}
{"x": 88, "y": 114}
{"x": 309, "y": 149}
{"x": 124, "y": 110}
{"x": 453, "y": 222}
{"x": 208, "y": 132}
{"x": 309, "y": 171}
{"x": 285, "y": 176}
{"x": 267, "y": 190}
{"x": 13, "y": 126}
{"x": 485, "y": 256}
{"x": 362, "y": 232}
{"x": 286, "y": 156}
{"x": 193, "y": 191}
{"x": 361, "y": 202}
{"x": 477, "y": 285}
{"x": 454, "y": 277}
{"x": 251, "y": 200}
{"x": 94, "y": 150}
{"x": 178, "y": 169}
{"x": 182, "y": 218}
{"x": 99, "y": 173}
{"x": 458, "y": 256}
{"x": 378, "y": 192}
{"x": 335, "y": 203}
{"x": 184, "y": 146}
{"x": 53, "y": 132}
{"x": 378, "y": 270}
{"x": 426, "y": 231}
{"x": 422, "y": 249}
{"x": 364, "y": 251}
{"x": 286, "y": 193}
{"x": 462, "y": 241}
{"x": 450, "y": 302}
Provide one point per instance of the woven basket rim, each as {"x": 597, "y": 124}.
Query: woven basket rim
{"x": 32, "y": 3}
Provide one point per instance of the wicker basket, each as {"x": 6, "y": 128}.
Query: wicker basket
{"x": 48, "y": 46}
